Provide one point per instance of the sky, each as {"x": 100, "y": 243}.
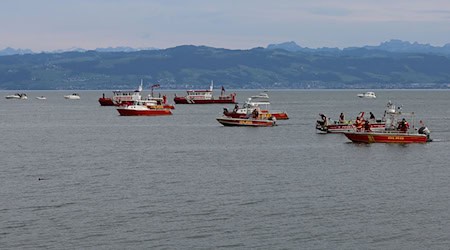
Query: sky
{"x": 46, "y": 25}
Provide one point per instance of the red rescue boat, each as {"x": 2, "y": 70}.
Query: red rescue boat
{"x": 121, "y": 97}
{"x": 402, "y": 133}
{"x": 129, "y": 97}
{"x": 387, "y": 137}
{"x": 205, "y": 97}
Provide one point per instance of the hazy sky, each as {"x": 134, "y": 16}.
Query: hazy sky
{"x": 235, "y": 24}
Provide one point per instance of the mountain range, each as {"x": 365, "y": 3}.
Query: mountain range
{"x": 284, "y": 65}
{"x": 393, "y": 45}
{"x": 11, "y": 51}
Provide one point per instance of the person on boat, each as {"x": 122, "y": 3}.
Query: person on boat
{"x": 236, "y": 107}
{"x": 372, "y": 116}
{"x": 358, "y": 124}
{"x": 367, "y": 126}
{"x": 164, "y": 99}
{"x": 225, "y": 111}
{"x": 342, "y": 118}
{"x": 323, "y": 120}
{"x": 403, "y": 126}
{"x": 255, "y": 113}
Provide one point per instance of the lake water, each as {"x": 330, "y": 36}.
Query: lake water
{"x": 75, "y": 175}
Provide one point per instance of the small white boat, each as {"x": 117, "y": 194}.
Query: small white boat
{"x": 17, "y": 96}
{"x": 367, "y": 95}
{"x": 41, "y": 97}
{"x": 73, "y": 96}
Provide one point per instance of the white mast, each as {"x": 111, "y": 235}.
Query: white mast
{"x": 211, "y": 87}
{"x": 141, "y": 86}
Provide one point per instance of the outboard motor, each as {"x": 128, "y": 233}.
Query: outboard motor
{"x": 425, "y": 131}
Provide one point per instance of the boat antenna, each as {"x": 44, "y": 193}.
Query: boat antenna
{"x": 141, "y": 86}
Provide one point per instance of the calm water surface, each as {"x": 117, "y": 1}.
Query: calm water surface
{"x": 74, "y": 175}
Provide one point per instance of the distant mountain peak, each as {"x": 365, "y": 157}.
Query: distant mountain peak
{"x": 397, "y": 45}
{"x": 11, "y": 51}
{"x": 289, "y": 46}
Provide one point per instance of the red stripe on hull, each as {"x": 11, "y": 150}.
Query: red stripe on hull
{"x": 245, "y": 122}
{"x": 127, "y": 112}
{"x": 386, "y": 138}
{"x": 279, "y": 116}
{"x": 182, "y": 100}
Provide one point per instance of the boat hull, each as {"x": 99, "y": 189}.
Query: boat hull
{"x": 280, "y": 115}
{"x": 225, "y": 100}
{"x": 277, "y": 115}
{"x": 168, "y": 106}
{"x": 149, "y": 112}
{"x": 71, "y": 97}
{"x": 368, "y": 137}
{"x": 106, "y": 101}
{"x": 13, "y": 97}
{"x": 228, "y": 121}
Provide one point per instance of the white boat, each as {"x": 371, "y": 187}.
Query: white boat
{"x": 41, "y": 97}
{"x": 205, "y": 97}
{"x": 367, "y": 95}
{"x": 73, "y": 96}
{"x": 18, "y": 96}
{"x": 257, "y": 101}
{"x": 143, "y": 108}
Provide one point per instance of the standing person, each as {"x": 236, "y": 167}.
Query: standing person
{"x": 342, "y": 118}
{"x": 236, "y": 108}
{"x": 372, "y": 116}
{"x": 367, "y": 126}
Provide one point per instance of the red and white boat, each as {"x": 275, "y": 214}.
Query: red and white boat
{"x": 328, "y": 126}
{"x": 121, "y": 97}
{"x": 261, "y": 121}
{"x": 129, "y": 97}
{"x": 390, "y": 116}
{"x": 260, "y": 101}
{"x": 205, "y": 97}
{"x": 143, "y": 108}
{"x": 387, "y": 137}
{"x": 396, "y": 132}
